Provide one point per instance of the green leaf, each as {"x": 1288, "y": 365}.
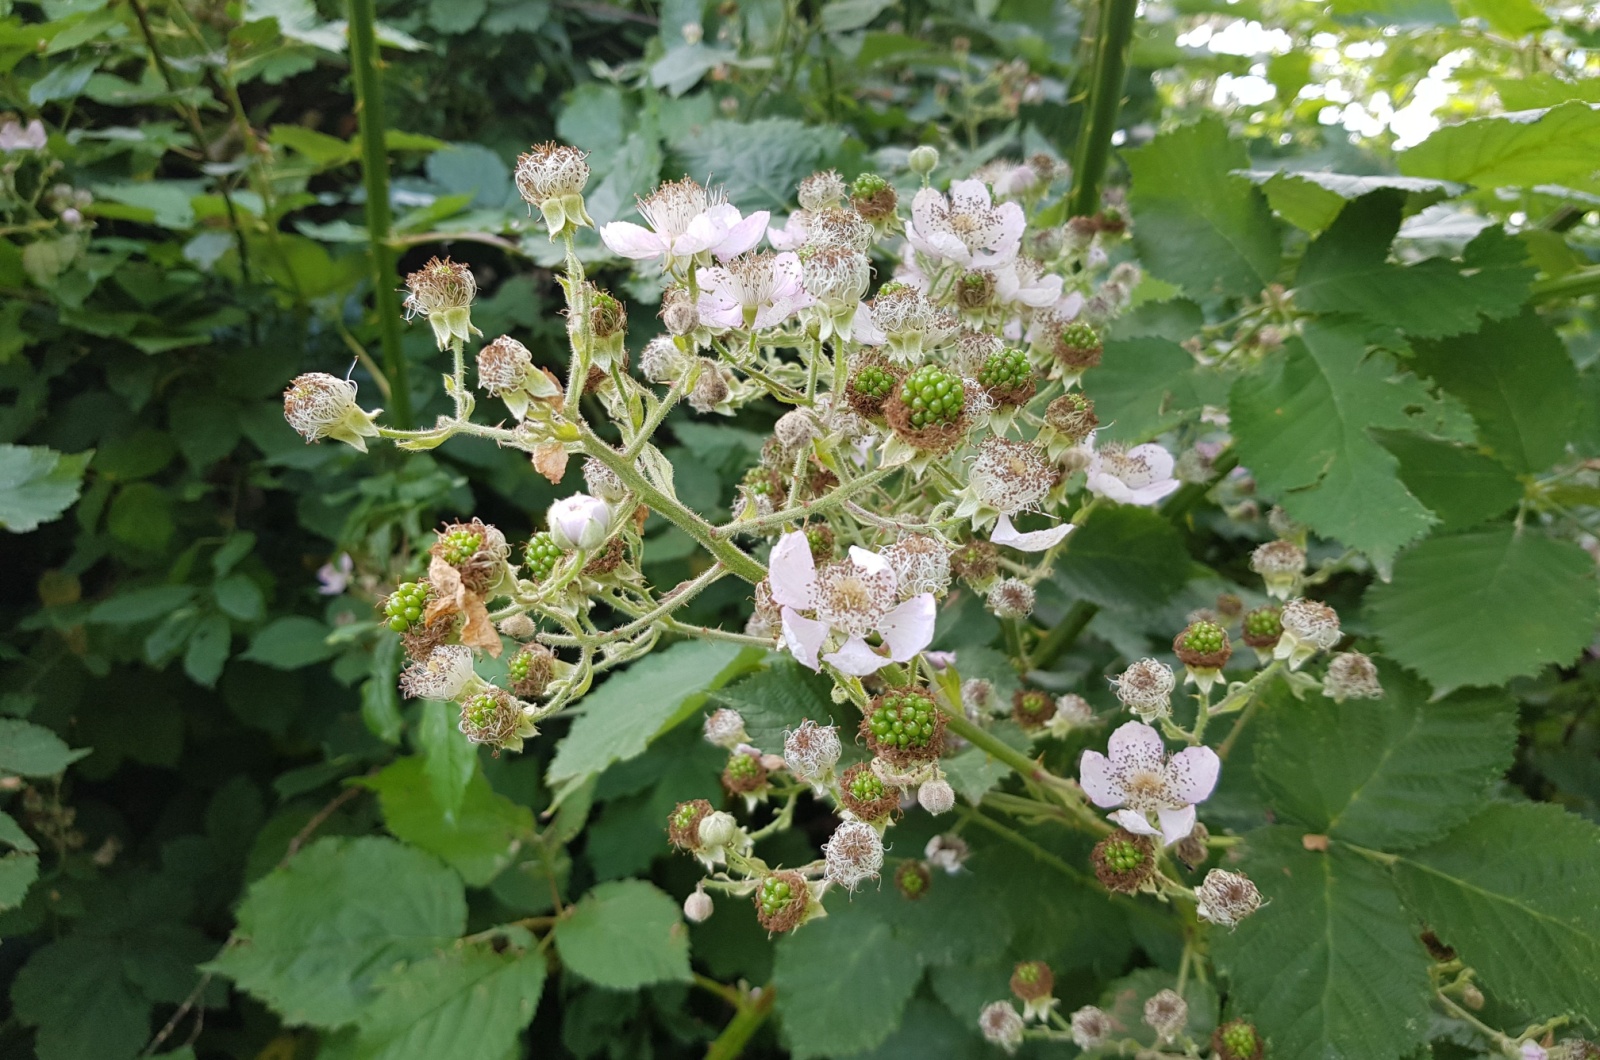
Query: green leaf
{"x": 323, "y": 150}
{"x": 1124, "y": 556}
{"x": 450, "y": 759}
{"x": 314, "y": 934}
{"x": 141, "y": 517}
{"x": 1513, "y": 891}
{"x": 12, "y": 835}
{"x": 1347, "y": 270}
{"x": 239, "y": 597}
{"x": 1301, "y": 427}
{"x": 1459, "y": 485}
{"x": 841, "y": 16}
{"x": 1483, "y": 607}
{"x": 1518, "y": 382}
{"x": 480, "y": 839}
{"x": 291, "y": 642}
{"x": 75, "y": 992}
{"x": 778, "y": 699}
{"x": 463, "y": 1004}
{"x": 208, "y": 650}
{"x": 843, "y": 982}
{"x": 32, "y": 750}
{"x": 1330, "y": 965}
{"x": 623, "y": 715}
{"x": 759, "y": 161}
{"x": 1145, "y": 386}
{"x": 1197, "y": 224}
{"x": 1523, "y": 149}
{"x": 141, "y": 605}
{"x": 1311, "y": 199}
{"x": 1389, "y": 773}
{"x": 17, "y": 873}
{"x": 624, "y": 935}
{"x": 37, "y": 484}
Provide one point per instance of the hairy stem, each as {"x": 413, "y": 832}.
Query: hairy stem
{"x": 737, "y": 1034}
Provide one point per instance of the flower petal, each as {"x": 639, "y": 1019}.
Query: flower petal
{"x": 864, "y": 329}
{"x": 1032, "y": 541}
{"x": 1136, "y": 745}
{"x": 1175, "y": 824}
{"x": 1192, "y": 773}
{"x": 742, "y": 235}
{"x": 1155, "y": 457}
{"x": 856, "y": 658}
{"x": 868, "y": 562}
{"x": 1099, "y": 780}
{"x": 1134, "y": 822}
{"x": 803, "y": 637}
{"x": 631, "y": 240}
{"x": 909, "y": 627}
{"x": 793, "y": 572}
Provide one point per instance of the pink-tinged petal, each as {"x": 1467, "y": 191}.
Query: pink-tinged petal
{"x": 743, "y": 235}
{"x": 792, "y": 572}
{"x": 1136, "y": 745}
{"x": 787, "y": 274}
{"x": 631, "y": 240}
{"x": 714, "y": 278}
{"x": 770, "y": 316}
{"x": 1032, "y": 541}
{"x": 803, "y": 637}
{"x": 1135, "y": 822}
{"x": 791, "y": 236}
{"x": 856, "y": 658}
{"x": 909, "y": 627}
{"x": 1192, "y": 773}
{"x": 969, "y": 196}
{"x": 702, "y": 233}
{"x": 1155, "y": 457}
{"x": 864, "y": 329}
{"x": 1099, "y": 780}
{"x": 1175, "y": 824}
{"x": 868, "y": 562}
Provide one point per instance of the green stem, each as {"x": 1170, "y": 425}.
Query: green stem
{"x": 1039, "y": 853}
{"x": 737, "y": 1034}
{"x": 1063, "y": 634}
{"x": 375, "y": 178}
{"x": 1105, "y": 99}
{"x": 1574, "y": 284}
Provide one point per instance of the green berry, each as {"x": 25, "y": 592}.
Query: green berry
{"x": 459, "y": 546}
{"x": 867, "y": 185}
{"x": 866, "y": 787}
{"x": 902, "y": 720}
{"x": 743, "y": 767}
{"x": 518, "y": 666}
{"x": 758, "y": 481}
{"x": 1205, "y": 638}
{"x": 405, "y": 606}
{"x": 1240, "y": 1038}
{"x": 934, "y": 396}
{"x": 1034, "y": 702}
{"x": 1079, "y": 336}
{"x": 479, "y": 711}
{"x": 893, "y": 287}
{"x": 540, "y": 556}
{"x": 684, "y": 815}
{"x": 1122, "y": 855}
{"x": 1264, "y": 622}
{"x": 775, "y": 896}
{"x": 1004, "y": 370}
{"x": 911, "y": 883}
{"x": 872, "y": 381}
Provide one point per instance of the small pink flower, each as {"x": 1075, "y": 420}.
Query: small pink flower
{"x": 967, "y": 228}
{"x": 686, "y": 221}
{"x": 855, "y": 597}
{"x": 752, "y": 291}
{"x": 1141, "y": 475}
{"x": 1139, "y": 776}
{"x": 334, "y": 576}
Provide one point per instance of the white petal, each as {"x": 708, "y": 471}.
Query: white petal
{"x": 742, "y": 235}
{"x": 864, "y": 329}
{"x": 1098, "y": 780}
{"x": 1155, "y": 457}
{"x": 1134, "y": 822}
{"x": 1135, "y": 745}
{"x": 909, "y": 627}
{"x": 1152, "y": 493}
{"x": 1110, "y": 487}
{"x": 703, "y": 233}
{"x": 792, "y": 572}
{"x": 1192, "y": 773}
{"x": 1032, "y": 541}
{"x": 856, "y": 658}
{"x": 868, "y": 562}
{"x": 803, "y": 637}
{"x": 631, "y": 240}
{"x": 1175, "y": 824}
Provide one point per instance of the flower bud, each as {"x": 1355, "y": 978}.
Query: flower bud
{"x": 1123, "y": 862}
{"x": 579, "y": 521}
{"x": 725, "y": 728}
{"x": 1226, "y": 898}
{"x": 923, "y": 159}
{"x": 552, "y": 177}
{"x": 1166, "y": 1013}
{"x": 1280, "y": 564}
{"x": 937, "y": 797}
{"x": 518, "y": 627}
{"x": 319, "y": 405}
{"x": 811, "y": 751}
{"x": 795, "y": 429}
{"x": 1092, "y": 1027}
{"x": 853, "y": 854}
{"x": 1145, "y": 688}
{"x": 710, "y": 389}
{"x": 443, "y": 676}
{"x": 661, "y": 361}
{"x": 1236, "y": 1040}
{"x": 1472, "y": 997}
{"x": 1351, "y": 675}
{"x": 1011, "y": 598}
{"x": 443, "y": 290}
{"x": 1000, "y": 1022}
{"x": 698, "y": 907}
{"x": 718, "y": 829}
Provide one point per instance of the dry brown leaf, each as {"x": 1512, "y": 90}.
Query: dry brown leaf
{"x": 550, "y": 460}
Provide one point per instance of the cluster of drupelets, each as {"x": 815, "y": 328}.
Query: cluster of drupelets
{"x": 928, "y": 356}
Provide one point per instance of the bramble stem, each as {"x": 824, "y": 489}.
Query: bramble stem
{"x": 737, "y": 1034}
{"x": 1115, "y": 30}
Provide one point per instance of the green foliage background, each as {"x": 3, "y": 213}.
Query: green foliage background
{"x": 216, "y": 810}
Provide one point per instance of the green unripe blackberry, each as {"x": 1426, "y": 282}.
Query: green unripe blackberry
{"x": 933, "y": 396}
{"x": 480, "y": 710}
{"x": 1236, "y": 1040}
{"x": 912, "y": 879}
{"x": 903, "y": 725}
{"x": 743, "y": 774}
{"x": 1072, "y": 415}
{"x": 1203, "y": 645}
{"x": 866, "y": 786}
{"x": 1078, "y": 346}
{"x": 1032, "y": 708}
{"x": 540, "y": 556}
{"x": 775, "y": 894}
{"x": 1032, "y": 981}
{"x": 683, "y": 823}
{"x": 781, "y": 901}
{"x": 867, "y": 185}
{"x": 1123, "y": 862}
{"x": 1080, "y": 335}
{"x": 863, "y": 793}
{"x": 405, "y": 606}
{"x": 894, "y": 287}
{"x": 1263, "y": 626}
{"x": 743, "y": 767}
{"x": 1005, "y": 370}
{"x": 820, "y": 537}
{"x": 758, "y": 480}
{"x": 459, "y": 546}
{"x": 873, "y": 381}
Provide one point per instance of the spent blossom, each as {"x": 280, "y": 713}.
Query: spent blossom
{"x": 1145, "y": 688}
{"x": 1157, "y": 793}
{"x": 1001, "y": 1025}
{"x": 1309, "y": 626}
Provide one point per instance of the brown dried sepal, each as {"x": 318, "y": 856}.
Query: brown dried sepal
{"x": 452, "y": 597}
{"x": 685, "y": 834}
{"x": 879, "y": 206}
{"x": 937, "y": 439}
{"x": 420, "y": 640}
{"x": 886, "y": 805}
{"x": 1078, "y": 358}
{"x": 482, "y": 570}
{"x": 1014, "y": 396}
{"x": 1121, "y": 879}
{"x": 608, "y": 559}
{"x": 1032, "y": 981}
{"x": 1193, "y": 849}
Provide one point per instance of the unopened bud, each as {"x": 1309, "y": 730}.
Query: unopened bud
{"x": 1167, "y": 1014}
{"x": 923, "y": 160}
{"x": 698, "y": 907}
{"x": 937, "y": 796}
{"x": 718, "y": 829}
{"x": 602, "y": 481}
{"x": 1472, "y": 997}
{"x": 579, "y": 521}
{"x": 725, "y": 728}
